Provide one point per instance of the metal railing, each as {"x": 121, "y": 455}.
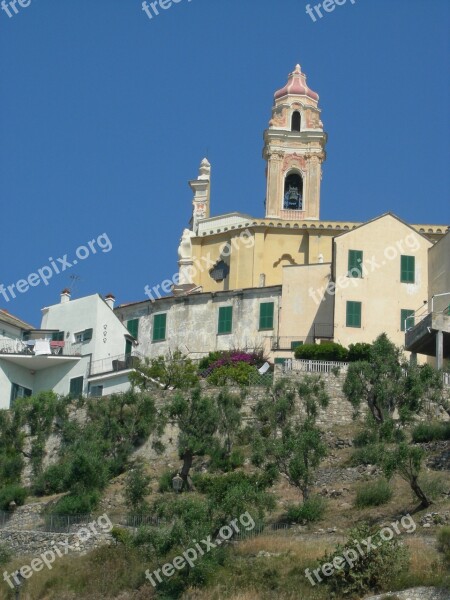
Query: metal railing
{"x": 313, "y": 366}
{"x": 10, "y": 346}
{"x": 114, "y": 364}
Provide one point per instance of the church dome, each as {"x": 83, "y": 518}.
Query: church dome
{"x": 296, "y": 86}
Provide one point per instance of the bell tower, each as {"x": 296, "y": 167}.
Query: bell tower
{"x": 294, "y": 148}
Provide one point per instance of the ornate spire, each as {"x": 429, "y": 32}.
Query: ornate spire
{"x": 296, "y": 86}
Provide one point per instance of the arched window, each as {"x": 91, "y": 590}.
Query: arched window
{"x": 293, "y": 192}
{"x": 296, "y": 121}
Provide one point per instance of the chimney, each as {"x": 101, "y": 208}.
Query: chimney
{"x": 65, "y": 296}
{"x": 110, "y": 299}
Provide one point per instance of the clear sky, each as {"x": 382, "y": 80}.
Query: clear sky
{"x": 106, "y": 114}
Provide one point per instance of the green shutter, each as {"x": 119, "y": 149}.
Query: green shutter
{"x": 76, "y": 386}
{"x": 266, "y": 315}
{"x": 408, "y": 269}
{"x": 87, "y": 335}
{"x": 355, "y": 260}
{"x": 159, "y": 327}
{"x": 353, "y": 314}
{"x": 408, "y": 316}
{"x": 133, "y": 327}
{"x": 128, "y": 347}
{"x": 225, "y": 319}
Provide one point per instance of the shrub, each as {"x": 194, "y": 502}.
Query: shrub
{"x": 221, "y": 461}
{"x": 326, "y": 351}
{"x": 443, "y": 544}
{"x": 365, "y": 438}
{"x": 10, "y": 468}
{"x": 429, "y": 432}
{"x": 122, "y": 536}
{"x": 76, "y": 504}
{"x": 370, "y": 572}
{"x": 310, "y": 511}
{"x": 207, "y": 361}
{"x": 165, "y": 481}
{"x": 359, "y": 352}
{"x": 239, "y": 373}
{"x": 367, "y": 455}
{"x": 137, "y": 487}
{"x": 52, "y": 481}
{"x": 87, "y": 470}
{"x": 373, "y": 493}
{"x": 12, "y": 493}
{"x": 232, "y": 358}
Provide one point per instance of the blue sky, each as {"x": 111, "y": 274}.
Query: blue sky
{"x": 107, "y": 114}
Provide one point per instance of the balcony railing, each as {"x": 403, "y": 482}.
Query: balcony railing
{"x": 114, "y": 364}
{"x": 314, "y": 366}
{"x": 18, "y": 347}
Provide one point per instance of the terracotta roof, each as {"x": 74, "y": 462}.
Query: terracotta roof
{"x": 6, "y": 317}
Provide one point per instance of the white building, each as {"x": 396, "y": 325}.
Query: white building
{"x": 81, "y": 348}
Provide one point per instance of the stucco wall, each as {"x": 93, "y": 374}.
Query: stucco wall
{"x": 380, "y": 290}
{"x": 192, "y": 322}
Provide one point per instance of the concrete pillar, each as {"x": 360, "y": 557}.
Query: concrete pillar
{"x": 439, "y": 349}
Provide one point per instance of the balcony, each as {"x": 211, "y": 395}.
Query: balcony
{"x": 38, "y": 354}
{"x": 115, "y": 364}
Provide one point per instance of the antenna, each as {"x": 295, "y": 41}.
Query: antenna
{"x": 74, "y": 279}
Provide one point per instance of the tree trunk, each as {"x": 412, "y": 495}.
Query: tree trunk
{"x": 187, "y": 464}
{"x": 425, "y": 502}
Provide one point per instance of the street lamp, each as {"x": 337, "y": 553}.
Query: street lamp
{"x": 177, "y": 483}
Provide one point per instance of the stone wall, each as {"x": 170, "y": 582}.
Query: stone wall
{"x": 34, "y": 543}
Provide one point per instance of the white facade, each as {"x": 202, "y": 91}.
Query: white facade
{"x": 81, "y": 348}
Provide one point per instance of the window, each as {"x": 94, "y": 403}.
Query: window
{"x": 133, "y": 327}
{"x": 296, "y": 121}
{"x": 128, "y": 347}
{"x": 18, "y": 391}
{"x": 406, "y": 318}
{"x": 295, "y": 345}
{"x": 293, "y": 192}
{"x": 225, "y": 319}
{"x": 96, "y": 391}
{"x": 266, "y": 315}
{"x": 408, "y": 269}
{"x": 355, "y": 260}
{"x": 353, "y": 314}
{"x": 76, "y": 387}
{"x": 83, "y": 336}
{"x": 58, "y": 336}
{"x": 159, "y": 327}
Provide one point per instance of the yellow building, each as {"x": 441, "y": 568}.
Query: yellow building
{"x": 314, "y": 261}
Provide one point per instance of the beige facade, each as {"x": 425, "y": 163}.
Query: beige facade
{"x": 384, "y": 289}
